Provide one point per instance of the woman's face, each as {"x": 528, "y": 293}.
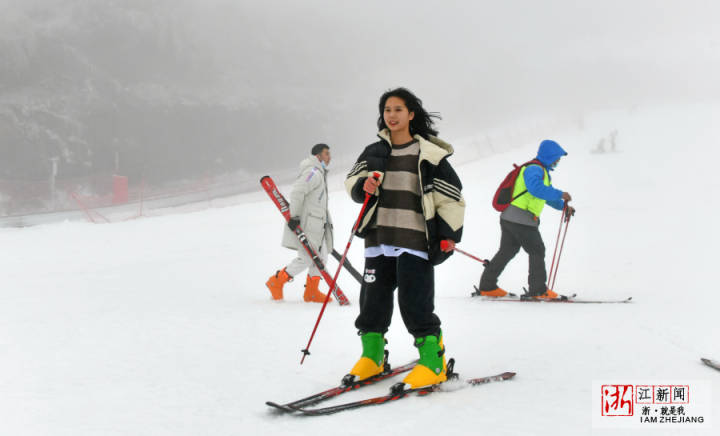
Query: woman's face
{"x": 396, "y": 115}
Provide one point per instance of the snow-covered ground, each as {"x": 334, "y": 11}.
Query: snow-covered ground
{"x": 163, "y": 326}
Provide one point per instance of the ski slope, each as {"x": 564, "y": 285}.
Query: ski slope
{"x": 163, "y": 326}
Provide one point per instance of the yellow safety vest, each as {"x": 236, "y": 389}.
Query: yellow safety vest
{"x": 527, "y": 201}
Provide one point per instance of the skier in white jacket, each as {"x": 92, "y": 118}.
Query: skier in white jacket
{"x": 309, "y": 210}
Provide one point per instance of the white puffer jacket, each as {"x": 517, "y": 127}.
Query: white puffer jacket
{"x": 309, "y": 201}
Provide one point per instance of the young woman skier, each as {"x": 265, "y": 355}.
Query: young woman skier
{"x": 415, "y": 204}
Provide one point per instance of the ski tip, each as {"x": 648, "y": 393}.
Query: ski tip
{"x": 266, "y": 182}
{"x": 494, "y": 378}
{"x": 279, "y": 407}
{"x": 711, "y": 363}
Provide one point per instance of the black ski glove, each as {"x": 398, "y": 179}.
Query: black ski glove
{"x": 294, "y": 222}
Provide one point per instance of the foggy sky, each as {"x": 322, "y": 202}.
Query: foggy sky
{"x": 479, "y": 64}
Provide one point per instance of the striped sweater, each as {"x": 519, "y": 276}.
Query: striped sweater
{"x": 443, "y": 206}
{"x": 400, "y": 221}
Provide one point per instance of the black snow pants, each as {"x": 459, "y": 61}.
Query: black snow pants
{"x": 415, "y": 280}
{"x": 514, "y": 236}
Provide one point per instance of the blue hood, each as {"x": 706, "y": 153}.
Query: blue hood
{"x": 549, "y": 152}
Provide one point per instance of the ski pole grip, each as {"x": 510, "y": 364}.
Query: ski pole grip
{"x": 376, "y": 177}
{"x": 444, "y": 244}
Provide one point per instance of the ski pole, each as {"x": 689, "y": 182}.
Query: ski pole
{"x": 557, "y": 244}
{"x": 306, "y": 350}
{"x": 444, "y": 245}
{"x": 566, "y": 219}
{"x": 557, "y": 266}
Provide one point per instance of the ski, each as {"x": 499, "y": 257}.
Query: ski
{"x": 353, "y": 272}
{"x": 284, "y": 207}
{"x": 399, "y": 394}
{"x": 334, "y": 392}
{"x": 562, "y": 299}
{"x": 711, "y": 363}
{"x": 515, "y": 297}
{"x": 567, "y": 299}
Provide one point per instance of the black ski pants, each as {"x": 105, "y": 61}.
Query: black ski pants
{"x": 516, "y": 236}
{"x": 414, "y": 278}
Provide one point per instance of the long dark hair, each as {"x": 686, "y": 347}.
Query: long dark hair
{"x": 422, "y": 124}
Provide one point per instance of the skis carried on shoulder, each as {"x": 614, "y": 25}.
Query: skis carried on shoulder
{"x": 339, "y": 390}
{"x": 284, "y": 207}
{"x": 398, "y": 392}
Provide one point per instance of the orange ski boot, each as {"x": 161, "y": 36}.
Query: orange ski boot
{"x": 312, "y": 294}
{"x": 498, "y": 292}
{"x": 276, "y": 282}
{"x": 548, "y": 295}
